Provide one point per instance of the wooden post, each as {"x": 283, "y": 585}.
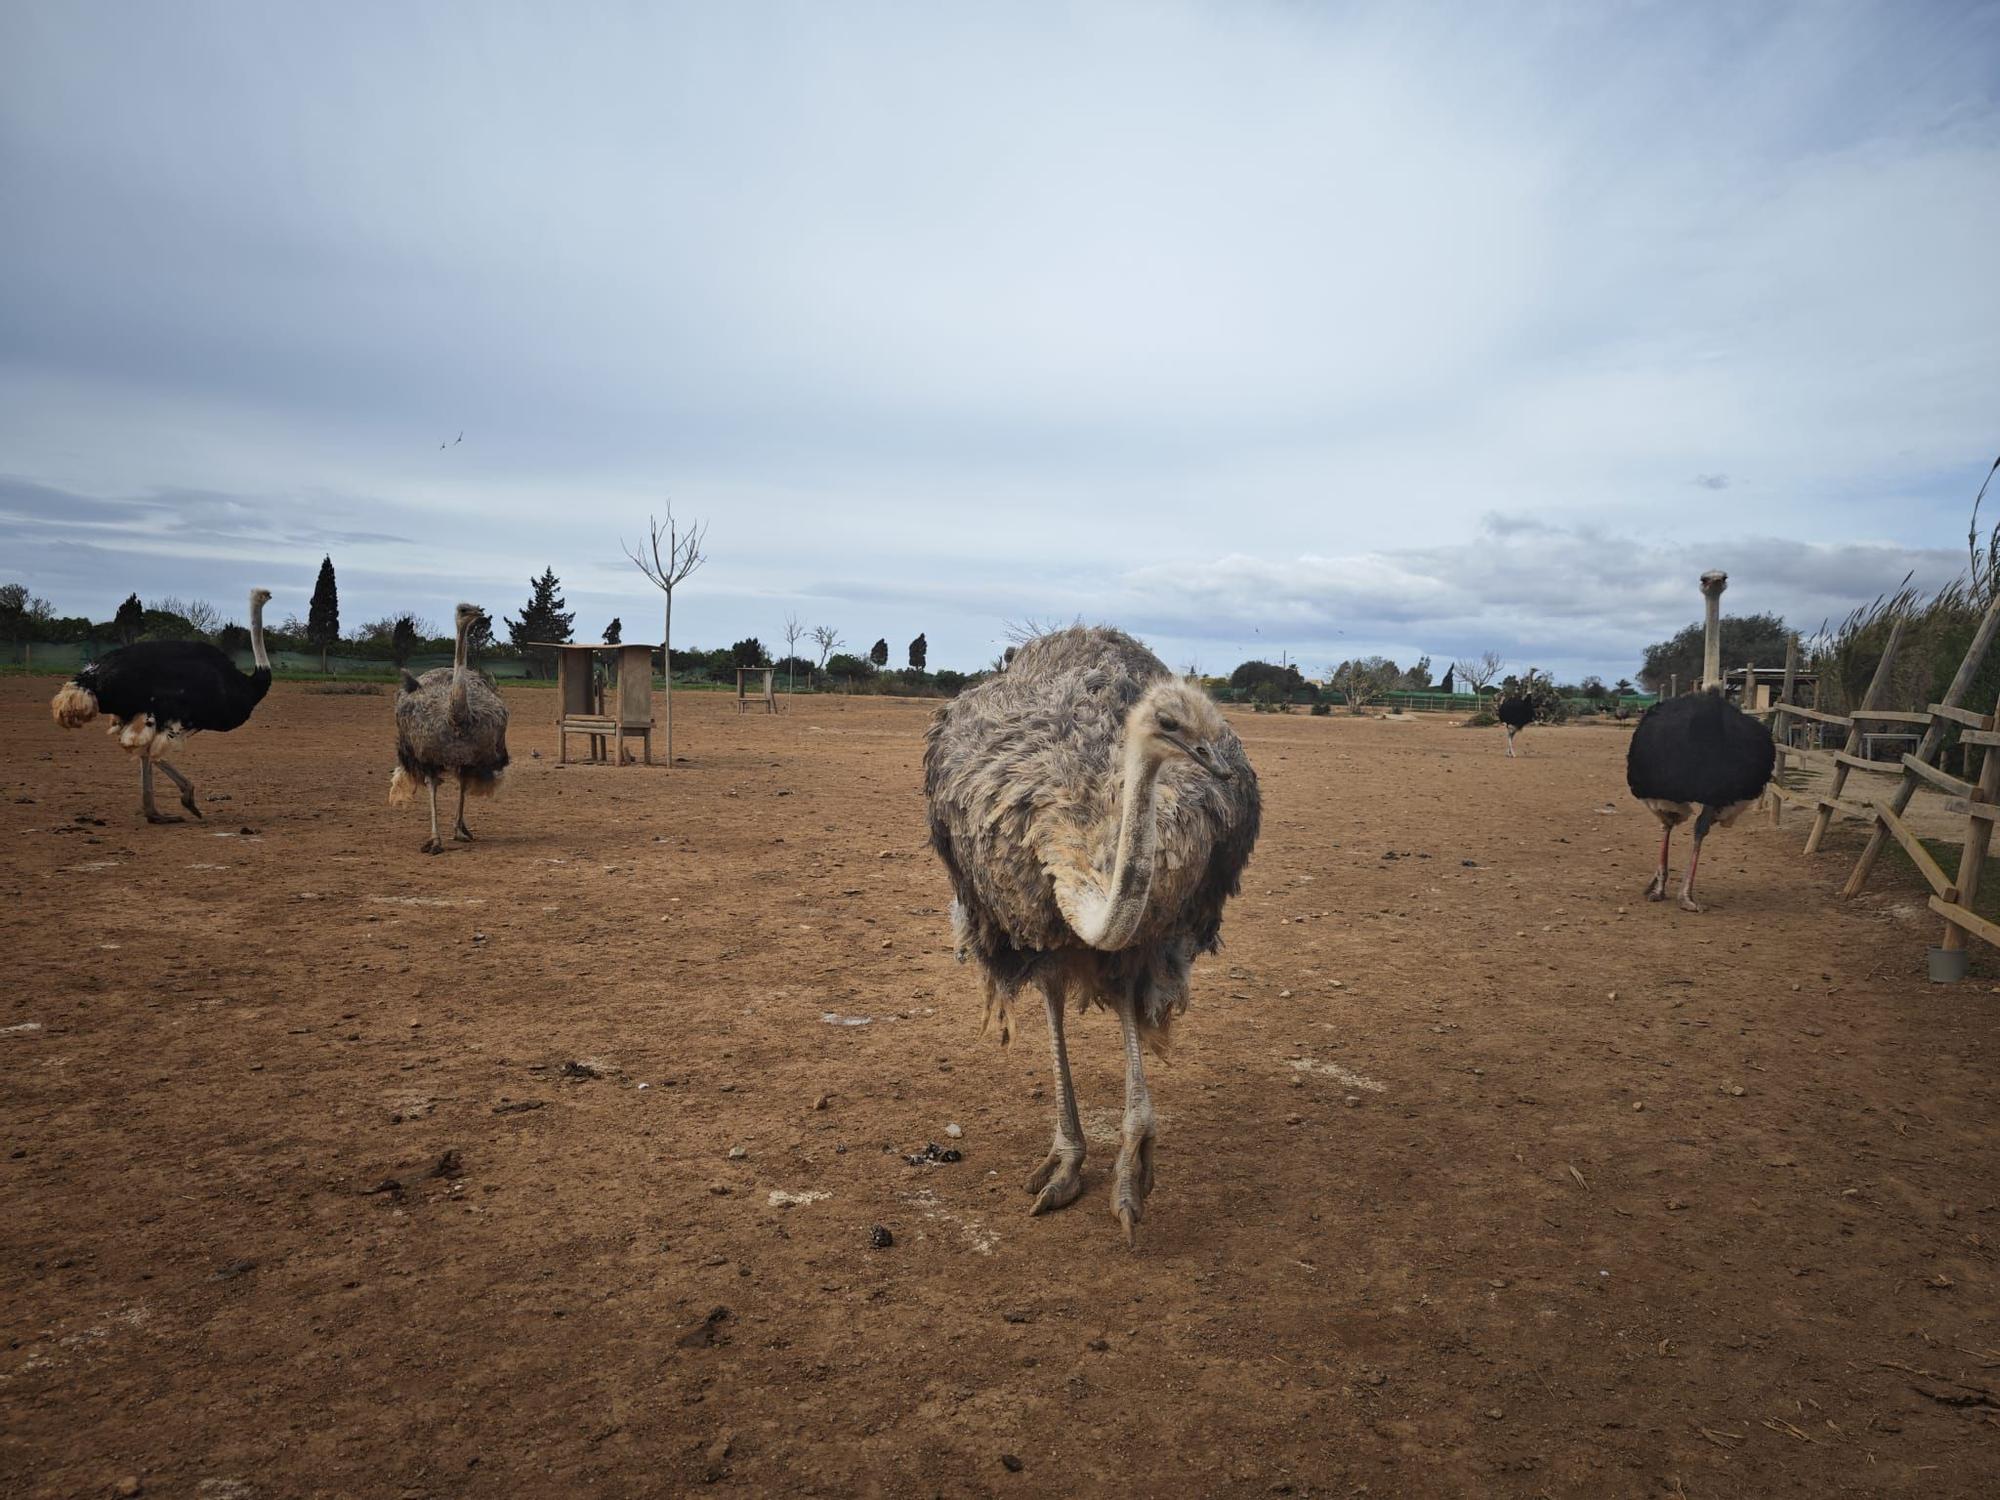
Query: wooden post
{"x": 1954, "y": 697}
{"x": 1781, "y": 725}
{"x": 1978, "y": 835}
{"x": 1877, "y": 686}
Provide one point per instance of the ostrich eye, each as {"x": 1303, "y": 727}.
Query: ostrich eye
{"x": 1170, "y": 724}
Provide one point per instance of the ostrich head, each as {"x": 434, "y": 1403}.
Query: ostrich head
{"x": 259, "y": 598}
{"x": 1175, "y": 719}
{"x": 466, "y": 616}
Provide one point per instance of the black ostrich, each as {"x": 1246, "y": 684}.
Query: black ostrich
{"x": 157, "y": 693}
{"x": 1698, "y": 756}
{"x": 1517, "y": 712}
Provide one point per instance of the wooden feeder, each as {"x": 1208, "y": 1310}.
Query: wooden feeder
{"x": 581, "y": 691}
{"x": 768, "y": 694}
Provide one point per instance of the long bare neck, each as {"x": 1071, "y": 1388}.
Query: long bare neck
{"x": 461, "y": 678}
{"x": 257, "y": 652}
{"x": 1711, "y": 649}
{"x": 1108, "y": 916}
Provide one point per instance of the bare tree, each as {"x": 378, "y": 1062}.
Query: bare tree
{"x": 204, "y": 618}
{"x": 1481, "y": 672}
{"x": 828, "y": 640}
{"x": 794, "y": 628}
{"x": 665, "y": 569}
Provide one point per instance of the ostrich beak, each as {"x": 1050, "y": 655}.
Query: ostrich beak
{"x": 1210, "y": 762}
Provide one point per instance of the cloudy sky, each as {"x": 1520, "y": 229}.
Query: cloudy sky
{"x": 1323, "y": 329}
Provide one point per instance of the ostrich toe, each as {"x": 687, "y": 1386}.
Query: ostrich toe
{"x": 1688, "y": 903}
{"x": 432, "y": 846}
{"x": 160, "y": 817}
{"x": 1057, "y": 1183}
{"x": 462, "y": 834}
{"x": 1133, "y": 1185}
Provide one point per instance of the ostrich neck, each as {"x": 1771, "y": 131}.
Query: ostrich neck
{"x": 1711, "y": 651}
{"x": 1108, "y": 917}
{"x": 257, "y": 652}
{"x": 460, "y": 678}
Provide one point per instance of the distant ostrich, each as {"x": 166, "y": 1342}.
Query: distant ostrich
{"x": 1517, "y": 712}
{"x": 449, "y": 721}
{"x": 157, "y": 693}
{"x": 1094, "y": 813}
{"x": 1698, "y": 756}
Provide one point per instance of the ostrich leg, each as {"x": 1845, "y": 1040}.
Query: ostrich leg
{"x": 436, "y": 844}
{"x": 1657, "y": 891}
{"x": 1058, "y": 1181}
{"x": 1687, "y": 885}
{"x": 1510, "y": 742}
{"x": 153, "y": 814}
{"x": 461, "y": 832}
{"x": 186, "y": 786}
{"x": 1134, "y": 1178}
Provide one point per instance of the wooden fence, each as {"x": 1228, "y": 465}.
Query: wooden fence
{"x": 1953, "y": 895}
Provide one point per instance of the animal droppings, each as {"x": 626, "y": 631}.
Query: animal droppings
{"x": 1010, "y": 1463}
{"x": 879, "y": 1238}
{"x": 932, "y": 1155}
{"x": 834, "y": 1018}
{"x": 779, "y": 1198}
{"x": 954, "y": 1131}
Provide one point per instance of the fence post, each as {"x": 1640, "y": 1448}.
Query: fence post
{"x": 1954, "y": 697}
{"x": 1877, "y": 686}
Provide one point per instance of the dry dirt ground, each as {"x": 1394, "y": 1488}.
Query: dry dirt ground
{"x": 549, "y": 1167}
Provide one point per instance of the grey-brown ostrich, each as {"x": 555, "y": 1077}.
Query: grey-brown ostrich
{"x": 449, "y": 722}
{"x": 1094, "y": 813}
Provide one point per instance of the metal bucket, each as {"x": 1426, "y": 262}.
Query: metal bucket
{"x": 1947, "y": 965}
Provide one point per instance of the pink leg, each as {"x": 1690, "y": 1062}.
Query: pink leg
{"x": 1687, "y": 886}
{"x": 1657, "y": 891}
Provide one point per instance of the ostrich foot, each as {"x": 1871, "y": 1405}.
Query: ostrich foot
{"x": 187, "y": 801}
{"x": 1134, "y": 1183}
{"x": 432, "y": 846}
{"x": 1057, "y": 1182}
{"x": 462, "y": 834}
{"x": 1688, "y": 903}
{"x": 160, "y": 817}
{"x": 1657, "y": 890}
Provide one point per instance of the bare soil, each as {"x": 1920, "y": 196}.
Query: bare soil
{"x": 550, "y": 1166}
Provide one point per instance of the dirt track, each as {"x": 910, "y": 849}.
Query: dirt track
{"x": 1478, "y": 1174}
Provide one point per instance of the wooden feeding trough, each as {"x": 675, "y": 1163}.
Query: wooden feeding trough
{"x": 605, "y": 692}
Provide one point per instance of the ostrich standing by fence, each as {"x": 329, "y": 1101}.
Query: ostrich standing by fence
{"x": 449, "y": 721}
{"x": 1094, "y": 813}
{"x": 157, "y": 693}
{"x": 1698, "y": 756}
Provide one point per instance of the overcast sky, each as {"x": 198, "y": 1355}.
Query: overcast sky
{"x": 1253, "y": 328}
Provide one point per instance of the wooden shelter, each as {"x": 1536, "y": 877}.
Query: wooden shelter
{"x": 605, "y": 692}
{"x": 766, "y": 694}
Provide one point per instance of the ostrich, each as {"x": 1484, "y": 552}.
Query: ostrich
{"x": 157, "y": 693}
{"x": 1517, "y": 712}
{"x": 1698, "y": 756}
{"x": 450, "y": 720}
{"x": 1094, "y": 812}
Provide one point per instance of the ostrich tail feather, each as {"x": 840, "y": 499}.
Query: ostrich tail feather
{"x": 73, "y": 705}
{"x": 402, "y": 787}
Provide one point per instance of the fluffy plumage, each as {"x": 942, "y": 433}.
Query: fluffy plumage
{"x": 1699, "y": 750}
{"x": 1516, "y": 711}
{"x": 1024, "y": 778}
